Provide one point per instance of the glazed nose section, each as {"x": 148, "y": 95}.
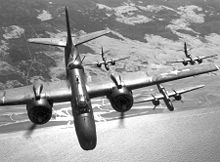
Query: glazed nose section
{"x": 86, "y": 130}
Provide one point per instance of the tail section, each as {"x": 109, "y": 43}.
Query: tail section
{"x": 69, "y": 37}
{"x": 70, "y": 40}
{"x": 185, "y": 49}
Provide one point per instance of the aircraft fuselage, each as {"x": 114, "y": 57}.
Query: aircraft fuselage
{"x": 80, "y": 102}
{"x": 166, "y": 98}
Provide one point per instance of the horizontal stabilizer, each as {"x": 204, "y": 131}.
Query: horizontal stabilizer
{"x": 88, "y": 37}
{"x": 61, "y": 42}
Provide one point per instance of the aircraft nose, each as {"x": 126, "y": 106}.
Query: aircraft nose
{"x": 86, "y": 130}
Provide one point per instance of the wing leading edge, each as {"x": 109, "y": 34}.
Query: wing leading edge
{"x": 140, "y": 80}
{"x": 55, "y": 91}
{"x": 60, "y": 91}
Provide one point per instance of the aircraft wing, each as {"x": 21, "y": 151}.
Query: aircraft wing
{"x": 61, "y": 42}
{"x": 159, "y": 96}
{"x": 205, "y": 57}
{"x": 94, "y": 63}
{"x": 185, "y": 90}
{"x": 141, "y": 79}
{"x": 60, "y": 91}
{"x": 178, "y": 61}
{"x": 90, "y": 36}
{"x": 119, "y": 59}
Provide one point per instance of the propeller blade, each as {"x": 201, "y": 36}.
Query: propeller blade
{"x": 173, "y": 100}
{"x": 37, "y": 88}
{"x": 122, "y": 116}
{"x": 121, "y": 120}
{"x": 83, "y": 59}
{"x": 30, "y": 130}
{"x": 113, "y": 78}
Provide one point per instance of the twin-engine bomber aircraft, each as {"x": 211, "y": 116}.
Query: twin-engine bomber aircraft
{"x": 190, "y": 59}
{"x": 106, "y": 63}
{"x": 40, "y": 98}
{"x": 165, "y": 96}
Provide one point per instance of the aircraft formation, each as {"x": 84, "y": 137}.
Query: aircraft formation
{"x": 106, "y": 63}
{"x": 39, "y": 98}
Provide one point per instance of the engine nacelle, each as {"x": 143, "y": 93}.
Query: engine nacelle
{"x": 99, "y": 65}
{"x": 192, "y": 62}
{"x": 112, "y": 62}
{"x": 178, "y": 97}
{"x": 185, "y": 63}
{"x": 156, "y": 102}
{"x": 39, "y": 111}
{"x": 121, "y": 99}
{"x": 199, "y": 60}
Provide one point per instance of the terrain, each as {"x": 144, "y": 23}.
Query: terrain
{"x": 151, "y": 33}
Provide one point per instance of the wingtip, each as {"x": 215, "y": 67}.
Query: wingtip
{"x": 2, "y": 99}
{"x": 107, "y": 29}
{"x": 30, "y": 40}
{"x": 217, "y": 67}
{"x": 201, "y": 86}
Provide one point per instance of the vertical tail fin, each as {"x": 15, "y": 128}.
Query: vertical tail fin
{"x": 102, "y": 52}
{"x": 69, "y": 37}
{"x": 70, "y": 41}
{"x": 185, "y": 49}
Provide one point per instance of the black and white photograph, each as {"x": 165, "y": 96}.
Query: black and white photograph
{"x": 109, "y": 80}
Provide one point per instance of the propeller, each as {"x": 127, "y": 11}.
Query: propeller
{"x": 174, "y": 99}
{"x": 121, "y": 120}
{"x": 113, "y": 78}
{"x": 155, "y": 100}
{"x": 30, "y": 131}
{"x": 119, "y": 85}
{"x": 37, "y": 88}
{"x": 155, "y": 106}
{"x": 37, "y": 91}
